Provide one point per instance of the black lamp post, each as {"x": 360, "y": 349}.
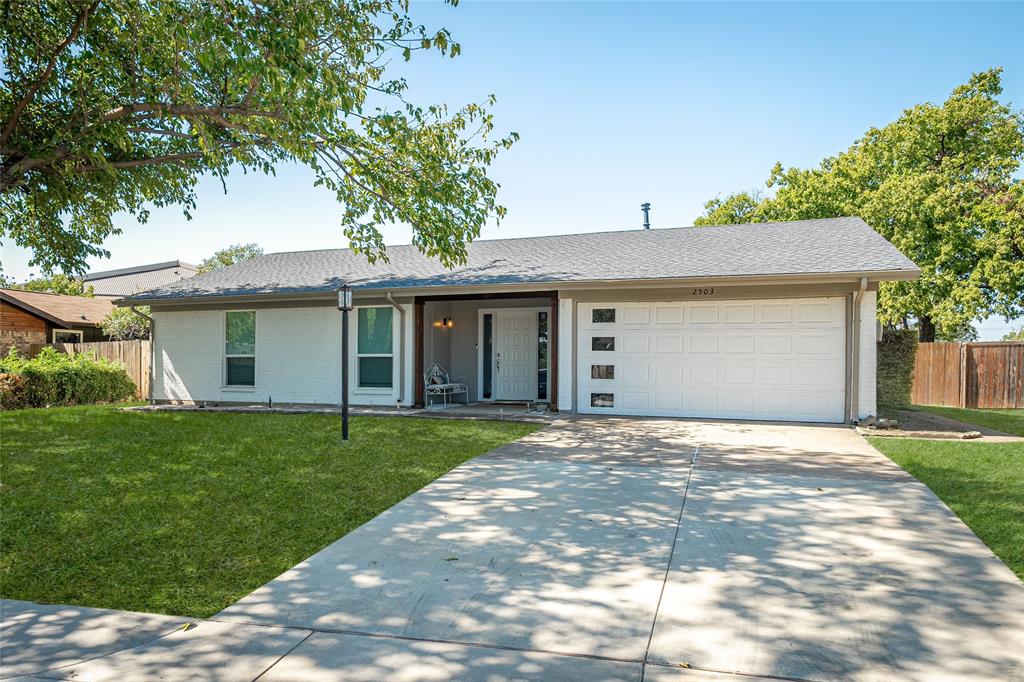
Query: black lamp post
{"x": 344, "y": 305}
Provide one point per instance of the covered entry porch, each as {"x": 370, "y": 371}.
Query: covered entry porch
{"x": 502, "y": 347}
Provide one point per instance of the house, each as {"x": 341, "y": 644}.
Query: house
{"x": 126, "y": 281}
{"x": 33, "y": 318}
{"x": 766, "y": 321}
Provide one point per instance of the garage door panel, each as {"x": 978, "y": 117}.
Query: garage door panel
{"x": 763, "y": 359}
{"x": 739, "y": 344}
{"x": 739, "y": 313}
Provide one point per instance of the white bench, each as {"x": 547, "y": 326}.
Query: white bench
{"x": 436, "y": 382}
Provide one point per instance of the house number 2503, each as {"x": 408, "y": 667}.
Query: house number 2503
{"x": 707, "y": 291}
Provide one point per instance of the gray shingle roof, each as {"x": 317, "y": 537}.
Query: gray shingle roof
{"x": 827, "y": 246}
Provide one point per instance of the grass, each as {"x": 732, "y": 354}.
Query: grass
{"x": 1008, "y": 421}
{"x": 983, "y": 483}
{"x": 185, "y": 513}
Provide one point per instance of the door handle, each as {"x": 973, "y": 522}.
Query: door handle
{"x": 498, "y": 358}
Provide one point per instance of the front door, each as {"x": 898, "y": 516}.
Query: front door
{"x": 515, "y": 355}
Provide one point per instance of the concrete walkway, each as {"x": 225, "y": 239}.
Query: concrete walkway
{"x": 604, "y": 550}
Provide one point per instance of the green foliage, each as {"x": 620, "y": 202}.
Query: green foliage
{"x": 13, "y": 391}
{"x": 187, "y": 513}
{"x": 122, "y": 105}
{"x": 938, "y": 183}
{"x": 229, "y": 256}
{"x": 1014, "y": 334}
{"x": 58, "y": 284}
{"x": 121, "y": 324}
{"x": 895, "y": 375}
{"x": 55, "y": 378}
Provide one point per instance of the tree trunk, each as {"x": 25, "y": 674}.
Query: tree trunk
{"x": 925, "y": 329}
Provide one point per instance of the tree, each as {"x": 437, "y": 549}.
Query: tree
{"x": 938, "y": 183}
{"x": 235, "y": 253}
{"x": 1014, "y": 334}
{"x": 58, "y": 284}
{"x": 121, "y": 324}
{"x": 119, "y": 105}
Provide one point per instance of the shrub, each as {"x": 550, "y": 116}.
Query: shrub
{"x": 896, "y": 353}
{"x": 13, "y": 391}
{"x": 55, "y": 378}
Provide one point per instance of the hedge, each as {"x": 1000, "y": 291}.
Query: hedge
{"x": 55, "y": 378}
{"x": 896, "y": 353}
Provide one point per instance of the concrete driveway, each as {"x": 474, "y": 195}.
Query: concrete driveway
{"x": 607, "y": 549}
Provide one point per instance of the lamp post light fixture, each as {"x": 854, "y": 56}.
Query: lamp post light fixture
{"x": 345, "y": 306}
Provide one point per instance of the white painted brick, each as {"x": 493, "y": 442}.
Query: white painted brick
{"x": 868, "y": 355}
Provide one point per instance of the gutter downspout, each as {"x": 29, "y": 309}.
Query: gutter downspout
{"x": 401, "y": 347}
{"x": 152, "y": 349}
{"x": 855, "y": 361}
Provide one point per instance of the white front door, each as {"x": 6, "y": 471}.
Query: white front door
{"x": 515, "y": 355}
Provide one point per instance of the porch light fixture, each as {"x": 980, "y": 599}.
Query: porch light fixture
{"x": 444, "y": 323}
{"x": 345, "y": 306}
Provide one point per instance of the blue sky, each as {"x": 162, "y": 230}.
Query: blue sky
{"x": 621, "y": 103}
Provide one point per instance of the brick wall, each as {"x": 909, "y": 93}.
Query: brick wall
{"x": 19, "y": 329}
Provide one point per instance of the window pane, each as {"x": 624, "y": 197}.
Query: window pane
{"x": 542, "y": 356}
{"x": 601, "y": 315}
{"x": 375, "y": 372}
{"x": 602, "y": 371}
{"x": 602, "y": 400}
{"x": 241, "y": 371}
{"x": 602, "y": 343}
{"x": 375, "y": 330}
{"x": 488, "y": 352}
{"x": 241, "y": 333}
{"x": 66, "y": 336}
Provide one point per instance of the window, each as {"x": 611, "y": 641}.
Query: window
{"x": 488, "y": 360}
{"x": 602, "y": 371}
{"x": 542, "y": 356}
{"x": 602, "y": 343}
{"x": 240, "y": 348}
{"x": 374, "y": 348}
{"x": 602, "y": 315}
{"x": 67, "y": 336}
{"x": 602, "y": 400}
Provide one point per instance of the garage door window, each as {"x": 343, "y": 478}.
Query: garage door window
{"x": 602, "y": 343}
{"x": 602, "y": 400}
{"x": 602, "y": 315}
{"x": 602, "y": 371}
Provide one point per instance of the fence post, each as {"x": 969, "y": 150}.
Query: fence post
{"x": 963, "y": 374}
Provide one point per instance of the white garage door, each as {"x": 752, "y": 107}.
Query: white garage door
{"x": 779, "y": 359}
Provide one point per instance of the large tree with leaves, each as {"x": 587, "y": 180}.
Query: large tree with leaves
{"x": 938, "y": 183}
{"x": 229, "y": 255}
{"x": 120, "y": 105}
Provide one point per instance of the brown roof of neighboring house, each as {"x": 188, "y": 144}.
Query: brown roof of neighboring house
{"x": 68, "y": 311}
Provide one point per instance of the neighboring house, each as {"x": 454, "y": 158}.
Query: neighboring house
{"x": 766, "y": 321}
{"x": 127, "y": 281}
{"x": 31, "y": 317}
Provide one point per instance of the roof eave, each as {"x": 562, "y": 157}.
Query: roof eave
{"x": 547, "y": 285}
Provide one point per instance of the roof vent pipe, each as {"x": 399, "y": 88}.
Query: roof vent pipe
{"x": 646, "y": 208}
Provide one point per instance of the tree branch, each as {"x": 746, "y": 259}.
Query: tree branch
{"x": 31, "y": 93}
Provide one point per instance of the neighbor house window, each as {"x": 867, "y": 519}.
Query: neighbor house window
{"x": 240, "y": 348}
{"x": 375, "y": 349}
{"x": 67, "y": 336}
{"x": 602, "y": 343}
{"x": 602, "y": 315}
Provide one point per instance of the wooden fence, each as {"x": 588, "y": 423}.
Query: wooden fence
{"x": 134, "y": 355}
{"x": 969, "y": 374}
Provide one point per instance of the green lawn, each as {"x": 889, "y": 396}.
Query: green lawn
{"x": 983, "y": 483}
{"x": 184, "y": 513}
{"x": 1008, "y": 421}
